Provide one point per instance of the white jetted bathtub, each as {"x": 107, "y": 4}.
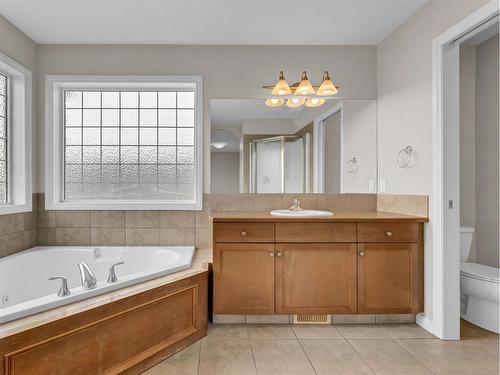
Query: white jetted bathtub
{"x": 25, "y": 288}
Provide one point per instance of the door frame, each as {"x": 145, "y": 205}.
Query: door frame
{"x": 445, "y": 321}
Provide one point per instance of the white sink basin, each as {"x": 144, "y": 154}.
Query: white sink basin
{"x": 302, "y": 213}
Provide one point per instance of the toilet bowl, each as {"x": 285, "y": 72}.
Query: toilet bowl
{"x": 479, "y": 288}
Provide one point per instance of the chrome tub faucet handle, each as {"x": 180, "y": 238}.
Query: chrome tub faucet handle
{"x": 112, "y": 275}
{"x": 63, "y": 290}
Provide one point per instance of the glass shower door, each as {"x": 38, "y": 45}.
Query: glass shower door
{"x": 268, "y": 163}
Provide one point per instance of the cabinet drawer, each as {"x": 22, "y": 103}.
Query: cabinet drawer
{"x": 243, "y": 232}
{"x": 388, "y": 232}
{"x": 315, "y": 232}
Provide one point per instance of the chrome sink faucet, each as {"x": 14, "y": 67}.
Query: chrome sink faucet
{"x": 89, "y": 280}
{"x": 296, "y": 205}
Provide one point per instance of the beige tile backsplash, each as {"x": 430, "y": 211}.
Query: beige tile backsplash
{"x": 143, "y": 228}
{"x": 18, "y": 231}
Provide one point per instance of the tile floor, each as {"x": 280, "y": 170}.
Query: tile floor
{"x": 399, "y": 349}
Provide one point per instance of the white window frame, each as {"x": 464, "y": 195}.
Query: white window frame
{"x": 19, "y": 136}
{"x": 54, "y": 143}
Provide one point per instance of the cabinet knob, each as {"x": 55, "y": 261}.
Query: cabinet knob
{"x": 278, "y": 253}
{"x": 361, "y": 253}
{"x": 271, "y": 254}
{"x": 389, "y": 234}
{"x": 243, "y": 233}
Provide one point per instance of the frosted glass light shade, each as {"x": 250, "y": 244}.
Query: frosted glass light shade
{"x": 281, "y": 88}
{"x": 327, "y": 87}
{"x": 295, "y": 102}
{"x": 275, "y": 102}
{"x": 314, "y": 102}
{"x": 305, "y": 87}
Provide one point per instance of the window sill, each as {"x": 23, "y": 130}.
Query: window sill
{"x": 125, "y": 205}
{"x": 14, "y": 208}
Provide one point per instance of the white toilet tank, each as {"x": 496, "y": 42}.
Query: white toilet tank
{"x": 466, "y": 234}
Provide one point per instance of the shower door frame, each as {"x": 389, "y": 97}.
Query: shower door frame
{"x": 282, "y": 140}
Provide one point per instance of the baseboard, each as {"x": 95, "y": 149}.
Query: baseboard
{"x": 427, "y": 324}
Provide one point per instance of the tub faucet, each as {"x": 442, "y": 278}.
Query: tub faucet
{"x": 89, "y": 280}
{"x": 63, "y": 290}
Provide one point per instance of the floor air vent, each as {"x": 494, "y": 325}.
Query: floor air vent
{"x": 312, "y": 319}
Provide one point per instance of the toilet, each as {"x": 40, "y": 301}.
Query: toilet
{"x": 479, "y": 288}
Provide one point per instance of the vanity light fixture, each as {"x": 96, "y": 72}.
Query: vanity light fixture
{"x": 281, "y": 88}
{"x": 327, "y": 87}
{"x": 295, "y": 102}
{"x": 275, "y": 102}
{"x": 305, "y": 87}
{"x": 314, "y": 102}
{"x": 301, "y": 93}
{"x": 219, "y": 145}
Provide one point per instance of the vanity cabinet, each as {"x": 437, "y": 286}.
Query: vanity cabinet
{"x": 315, "y": 278}
{"x": 244, "y": 278}
{"x": 317, "y": 266}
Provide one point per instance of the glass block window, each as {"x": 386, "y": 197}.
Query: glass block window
{"x": 129, "y": 145}
{"x": 3, "y": 138}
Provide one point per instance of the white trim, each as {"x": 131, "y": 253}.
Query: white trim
{"x": 19, "y": 138}
{"x": 319, "y": 148}
{"x": 54, "y": 84}
{"x": 443, "y": 278}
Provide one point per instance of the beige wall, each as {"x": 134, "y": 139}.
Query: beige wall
{"x": 404, "y": 64}
{"x": 487, "y": 156}
{"x": 228, "y": 71}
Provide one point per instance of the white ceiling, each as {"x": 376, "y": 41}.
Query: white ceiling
{"x": 208, "y": 21}
{"x": 230, "y": 113}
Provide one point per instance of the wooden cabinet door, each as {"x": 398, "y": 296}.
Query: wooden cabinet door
{"x": 243, "y": 278}
{"x": 316, "y": 278}
{"x": 388, "y": 278}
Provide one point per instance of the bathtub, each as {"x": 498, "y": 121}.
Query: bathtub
{"x": 25, "y": 290}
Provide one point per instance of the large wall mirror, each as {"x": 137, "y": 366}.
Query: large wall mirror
{"x": 258, "y": 149}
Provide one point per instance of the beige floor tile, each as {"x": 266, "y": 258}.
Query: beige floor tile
{"x": 363, "y": 332}
{"x": 332, "y": 357}
{"x": 226, "y": 357}
{"x": 443, "y": 357}
{"x": 387, "y": 357}
{"x": 227, "y": 331}
{"x": 184, "y": 362}
{"x": 317, "y": 332}
{"x": 280, "y": 357}
{"x": 484, "y": 351}
{"x": 407, "y": 331}
{"x": 265, "y": 331}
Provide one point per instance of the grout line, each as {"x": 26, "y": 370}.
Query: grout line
{"x": 199, "y": 356}
{"x": 359, "y": 354}
{"x": 415, "y": 356}
{"x": 253, "y": 354}
{"x": 300, "y": 344}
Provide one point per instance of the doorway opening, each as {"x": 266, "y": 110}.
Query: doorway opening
{"x": 447, "y": 165}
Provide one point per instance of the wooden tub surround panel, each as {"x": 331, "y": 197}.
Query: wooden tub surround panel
{"x": 123, "y": 337}
{"x": 351, "y": 263}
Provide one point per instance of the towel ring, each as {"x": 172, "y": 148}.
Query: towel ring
{"x": 405, "y": 157}
{"x": 352, "y": 166}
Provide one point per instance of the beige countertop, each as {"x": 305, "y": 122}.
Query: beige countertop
{"x": 344, "y": 216}
{"x": 200, "y": 264}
